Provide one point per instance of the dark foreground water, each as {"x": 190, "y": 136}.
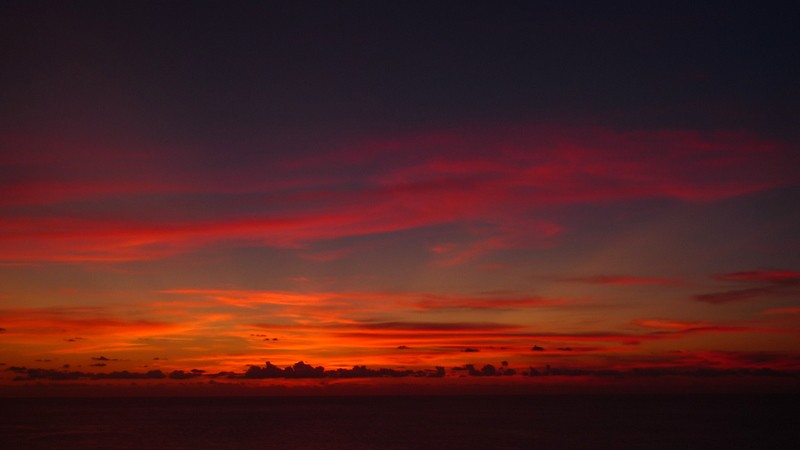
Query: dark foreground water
{"x": 526, "y": 422}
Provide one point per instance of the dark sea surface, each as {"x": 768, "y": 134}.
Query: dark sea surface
{"x": 502, "y": 422}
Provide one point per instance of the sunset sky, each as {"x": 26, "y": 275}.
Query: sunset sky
{"x": 213, "y": 185}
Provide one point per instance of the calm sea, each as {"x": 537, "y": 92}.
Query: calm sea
{"x": 436, "y": 422}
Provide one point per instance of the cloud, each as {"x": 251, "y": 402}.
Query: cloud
{"x": 435, "y": 326}
{"x": 779, "y": 277}
{"x": 770, "y": 283}
{"x": 681, "y": 363}
{"x": 303, "y": 370}
{"x": 489, "y": 181}
{"x": 738, "y": 295}
{"x": 624, "y": 280}
{"x": 183, "y": 375}
{"x": 387, "y": 300}
{"x": 795, "y": 310}
{"x": 669, "y": 324}
{"x": 83, "y": 320}
{"x": 437, "y": 302}
{"x": 63, "y": 375}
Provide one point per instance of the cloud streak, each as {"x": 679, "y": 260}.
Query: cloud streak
{"x": 769, "y": 283}
{"x": 434, "y": 179}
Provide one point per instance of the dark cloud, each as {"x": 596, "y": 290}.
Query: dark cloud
{"x": 125, "y": 375}
{"x": 471, "y": 350}
{"x": 104, "y": 359}
{"x": 2, "y": 330}
{"x": 770, "y": 283}
{"x": 536, "y": 348}
{"x": 303, "y": 370}
{"x": 436, "y": 326}
{"x": 778, "y": 276}
{"x": 97, "y": 365}
{"x": 737, "y": 295}
{"x": 623, "y": 280}
{"x": 63, "y": 375}
{"x": 181, "y": 375}
{"x": 735, "y": 364}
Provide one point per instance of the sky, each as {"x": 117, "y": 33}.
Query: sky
{"x": 191, "y": 189}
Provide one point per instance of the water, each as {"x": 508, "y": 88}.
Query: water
{"x": 372, "y": 422}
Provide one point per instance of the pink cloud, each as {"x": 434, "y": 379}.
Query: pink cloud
{"x": 489, "y": 182}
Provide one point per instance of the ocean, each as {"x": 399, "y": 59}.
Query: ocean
{"x": 622, "y": 421}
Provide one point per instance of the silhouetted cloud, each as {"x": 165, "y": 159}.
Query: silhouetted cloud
{"x": 303, "y": 370}
{"x": 471, "y": 350}
{"x": 536, "y": 348}
{"x": 63, "y": 375}
{"x": 182, "y": 375}
{"x": 692, "y": 364}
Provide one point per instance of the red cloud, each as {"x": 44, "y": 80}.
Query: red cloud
{"x": 490, "y": 182}
{"x": 390, "y": 300}
{"x": 669, "y": 324}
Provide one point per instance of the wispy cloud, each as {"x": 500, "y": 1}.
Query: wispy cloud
{"x": 768, "y": 283}
{"x": 624, "y": 280}
{"x": 500, "y": 179}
